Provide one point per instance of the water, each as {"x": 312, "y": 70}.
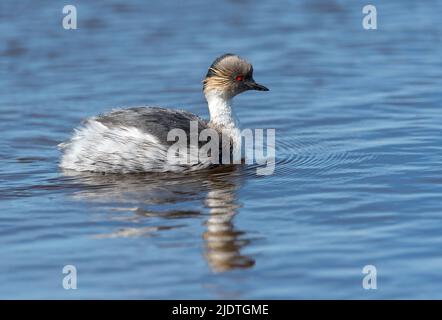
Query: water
{"x": 358, "y": 178}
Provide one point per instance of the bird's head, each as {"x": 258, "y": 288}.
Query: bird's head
{"x": 230, "y": 75}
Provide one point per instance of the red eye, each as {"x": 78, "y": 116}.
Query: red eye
{"x": 239, "y": 78}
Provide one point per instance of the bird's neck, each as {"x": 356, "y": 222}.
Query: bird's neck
{"x": 222, "y": 117}
{"x": 220, "y": 108}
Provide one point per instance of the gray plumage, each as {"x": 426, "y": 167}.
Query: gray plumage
{"x": 130, "y": 140}
{"x": 156, "y": 121}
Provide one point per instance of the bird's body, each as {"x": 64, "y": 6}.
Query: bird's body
{"x": 136, "y": 139}
{"x": 128, "y": 140}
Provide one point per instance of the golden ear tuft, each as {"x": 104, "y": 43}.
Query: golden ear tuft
{"x": 221, "y": 74}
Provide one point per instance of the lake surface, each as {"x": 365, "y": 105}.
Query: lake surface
{"x": 358, "y": 177}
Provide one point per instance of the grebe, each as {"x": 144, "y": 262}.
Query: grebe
{"x": 135, "y": 139}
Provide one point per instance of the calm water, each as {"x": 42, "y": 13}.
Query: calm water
{"x": 358, "y": 177}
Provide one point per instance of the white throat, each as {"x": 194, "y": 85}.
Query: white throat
{"x": 222, "y": 116}
{"x": 220, "y": 108}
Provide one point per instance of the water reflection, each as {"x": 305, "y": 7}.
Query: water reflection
{"x": 223, "y": 241}
{"x": 216, "y": 190}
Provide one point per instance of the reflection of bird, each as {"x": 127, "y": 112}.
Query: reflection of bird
{"x": 217, "y": 188}
{"x": 135, "y": 139}
{"x": 223, "y": 242}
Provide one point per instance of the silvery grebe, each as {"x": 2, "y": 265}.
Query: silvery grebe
{"x": 135, "y": 139}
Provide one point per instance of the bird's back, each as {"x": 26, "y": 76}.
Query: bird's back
{"x": 156, "y": 121}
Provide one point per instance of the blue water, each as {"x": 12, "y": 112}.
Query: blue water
{"x": 358, "y": 177}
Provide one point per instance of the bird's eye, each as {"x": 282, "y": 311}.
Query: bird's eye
{"x": 239, "y": 78}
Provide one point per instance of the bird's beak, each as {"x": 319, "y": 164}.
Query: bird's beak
{"x": 252, "y": 85}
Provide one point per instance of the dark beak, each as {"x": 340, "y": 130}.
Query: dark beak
{"x": 252, "y": 85}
